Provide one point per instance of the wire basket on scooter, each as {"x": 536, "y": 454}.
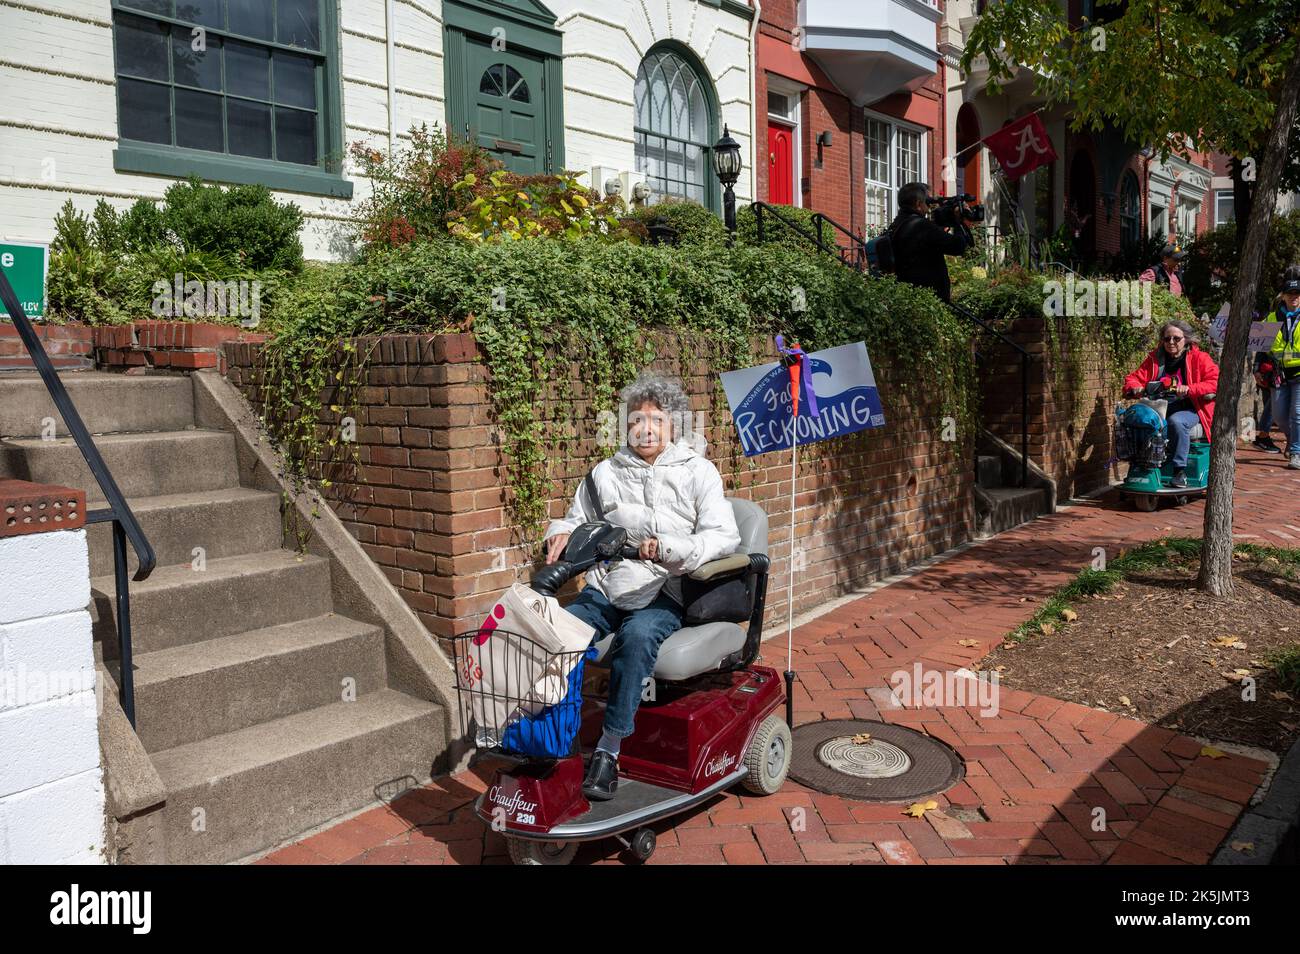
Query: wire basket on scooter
{"x": 516, "y": 696}
{"x": 1142, "y": 445}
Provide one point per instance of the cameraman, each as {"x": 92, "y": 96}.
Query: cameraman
{"x": 919, "y": 245}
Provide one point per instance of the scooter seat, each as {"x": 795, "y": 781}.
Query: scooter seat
{"x": 689, "y": 652}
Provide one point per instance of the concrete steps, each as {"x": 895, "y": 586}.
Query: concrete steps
{"x": 1007, "y": 507}
{"x": 106, "y": 403}
{"x": 229, "y": 521}
{"x": 178, "y": 605}
{"x": 1000, "y": 503}
{"x": 238, "y": 793}
{"x": 265, "y": 710}
{"x": 144, "y": 465}
{"x": 191, "y": 692}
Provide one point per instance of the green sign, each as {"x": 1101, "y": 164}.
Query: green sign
{"x": 25, "y": 265}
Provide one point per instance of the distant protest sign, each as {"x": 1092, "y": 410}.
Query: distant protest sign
{"x": 1262, "y": 333}
{"x": 844, "y": 391}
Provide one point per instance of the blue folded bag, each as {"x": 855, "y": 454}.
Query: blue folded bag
{"x": 550, "y": 733}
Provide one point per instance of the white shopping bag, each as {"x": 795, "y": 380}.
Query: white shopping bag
{"x": 510, "y": 677}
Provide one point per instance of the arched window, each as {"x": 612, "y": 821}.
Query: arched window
{"x": 504, "y": 80}
{"x": 675, "y": 127}
{"x": 1130, "y": 204}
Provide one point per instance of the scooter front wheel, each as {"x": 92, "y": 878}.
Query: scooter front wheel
{"x": 1147, "y": 503}
{"x": 523, "y": 852}
{"x": 768, "y": 757}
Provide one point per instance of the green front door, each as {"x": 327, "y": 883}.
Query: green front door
{"x": 507, "y": 105}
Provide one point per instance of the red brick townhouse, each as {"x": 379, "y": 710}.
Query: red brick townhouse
{"x": 853, "y": 91}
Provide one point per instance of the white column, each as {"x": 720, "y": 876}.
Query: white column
{"x": 51, "y": 782}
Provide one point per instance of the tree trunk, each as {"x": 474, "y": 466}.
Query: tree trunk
{"x": 1216, "y": 552}
{"x": 1243, "y": 195}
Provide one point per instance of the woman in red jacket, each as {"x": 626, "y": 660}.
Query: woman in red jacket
{"x": 1179, "y": 365}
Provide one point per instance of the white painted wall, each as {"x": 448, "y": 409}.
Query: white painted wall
{"x": 58, "y": 116}
{"x": 51, "y": 783}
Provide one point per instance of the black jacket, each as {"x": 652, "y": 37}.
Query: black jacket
{"x": 919, "y": 250}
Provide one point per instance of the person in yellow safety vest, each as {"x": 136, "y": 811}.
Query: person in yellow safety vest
{"x": 1286, "y": 364}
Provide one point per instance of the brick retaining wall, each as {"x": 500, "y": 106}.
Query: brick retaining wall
{"x": 428, "y": 500}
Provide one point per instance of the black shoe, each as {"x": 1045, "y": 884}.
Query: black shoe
{"x": 1267, "y": 446}
{"x": 602, "y": 777}
{"x": 1179, "y": 479}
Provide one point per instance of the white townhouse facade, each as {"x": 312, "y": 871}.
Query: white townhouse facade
{"x": 116, "y": 99}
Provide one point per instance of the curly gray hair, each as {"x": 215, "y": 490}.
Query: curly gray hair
{"x": 1189, "y": 333}
{"x": 664, "y": 393}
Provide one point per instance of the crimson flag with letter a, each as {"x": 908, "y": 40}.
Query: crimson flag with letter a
{"x": 1021, "y": 146}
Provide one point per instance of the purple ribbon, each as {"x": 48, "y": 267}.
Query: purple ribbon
{"x": 805, "y": 371}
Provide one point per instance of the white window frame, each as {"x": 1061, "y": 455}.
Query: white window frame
{"x": 1219, "y": 196}
{"x": 794, "y": 92}
{"x": 892, "y": 125}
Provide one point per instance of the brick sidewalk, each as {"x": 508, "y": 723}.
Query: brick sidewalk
{"x": 1035, "y": 773}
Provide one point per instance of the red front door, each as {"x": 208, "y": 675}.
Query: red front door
{"x": 780, "y": 171}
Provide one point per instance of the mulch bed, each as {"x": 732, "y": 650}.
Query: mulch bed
{"x": 1157, "y": 649}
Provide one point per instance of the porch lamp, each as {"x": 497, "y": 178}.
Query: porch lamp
{"x": 726, "y": 163}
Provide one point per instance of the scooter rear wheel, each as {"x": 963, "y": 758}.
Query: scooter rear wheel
{"x": 768, "y": 757}
{"x": 1147, "y": 503}
{"x": 524, "y": 852}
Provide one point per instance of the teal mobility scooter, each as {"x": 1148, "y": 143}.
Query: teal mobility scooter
{"x": 1142, "y": 439}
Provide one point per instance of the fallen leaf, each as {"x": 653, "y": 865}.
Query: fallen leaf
{"x": 1070, "y": 615}
{"x": 862, "y": 738}
{"x": 1124, "y": 701}
{"x": 1008, "y": 645}
{"x": 1245, "y": 847}
{"x": 1281, "y": 696}
{"x": 918, "y": 809}
{"x": 968, "y": 642}
{"x": 1231, "y": 642}
{"x": 1210, "y": 752}
{"x": 1047, "y": 628}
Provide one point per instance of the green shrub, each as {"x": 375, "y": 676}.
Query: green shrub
{"x": 242, "y": 223}
{"x": 693, "y": 223}
{"x": 104, "y": 266}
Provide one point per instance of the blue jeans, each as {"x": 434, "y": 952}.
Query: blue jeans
{"x": 1265, "y": 422}
{"x": 1286, "y": 413}
{"x": 1181, "y": 424}
{"x": 631, "y": 657}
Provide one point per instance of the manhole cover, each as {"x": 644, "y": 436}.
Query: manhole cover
{"x": 897, "y": 764}
{"x": 877, "y": 760}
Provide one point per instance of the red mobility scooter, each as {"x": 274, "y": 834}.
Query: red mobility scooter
{"x": 713, "y": 720}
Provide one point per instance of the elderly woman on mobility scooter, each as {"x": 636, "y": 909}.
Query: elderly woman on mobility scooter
{"x": 1179, "y": 365}
{"x": 671, "y": 502}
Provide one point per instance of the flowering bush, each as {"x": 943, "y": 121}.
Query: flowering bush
{"x": 511, "y": 206}
{"x": 413, "y": 190}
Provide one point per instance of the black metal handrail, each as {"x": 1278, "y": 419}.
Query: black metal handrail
{"x": 762, "y": 209}
{"x": 1024, "y": 382}
{"x": 856, "y": 250}
{"x": 125, "y": 525}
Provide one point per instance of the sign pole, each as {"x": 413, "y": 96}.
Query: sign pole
{"x": 789, "y": 631}
{"x": 794, "y": 362}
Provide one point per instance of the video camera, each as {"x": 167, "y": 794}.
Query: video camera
{"x": 950, "y": 211}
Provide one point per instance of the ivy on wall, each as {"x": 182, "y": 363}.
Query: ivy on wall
{"x": 547, "y": 312}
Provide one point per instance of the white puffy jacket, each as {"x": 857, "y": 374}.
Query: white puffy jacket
{"x": 678, "y": 500}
